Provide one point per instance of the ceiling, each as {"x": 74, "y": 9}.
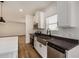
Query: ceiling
{"x": 11, "y": 9}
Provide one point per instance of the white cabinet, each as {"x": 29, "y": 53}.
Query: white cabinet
{"x": 66, "y": 14}
{"x": 40, "y": 19}
{"x": 43, "y": 50}
{"x": 36, "y": 17}
{"x": 36, "y": 44}
{"x": 40, "y": 48}
{"x": 41, "y": 23}
{"x": 73, "y": 53}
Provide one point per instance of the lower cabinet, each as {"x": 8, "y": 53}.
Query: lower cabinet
{"x": 73, "y": 53}
{"x": 40, "y": 48}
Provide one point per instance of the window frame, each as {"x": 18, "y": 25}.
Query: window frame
{"x": 47, "y": 24}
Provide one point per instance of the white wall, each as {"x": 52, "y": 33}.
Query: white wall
{"x": 12, "y": 28}
{"x": 29, "y": 27}
{"x": 68, "y": 32}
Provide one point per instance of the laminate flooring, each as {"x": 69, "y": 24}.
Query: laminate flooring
{"x": 26, "y": 50}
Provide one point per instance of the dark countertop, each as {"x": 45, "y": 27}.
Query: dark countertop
{"x": 64, "y": 43}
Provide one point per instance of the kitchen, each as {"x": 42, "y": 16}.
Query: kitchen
{"x": 50, "y": 27}
{"x": 53, "y": 38}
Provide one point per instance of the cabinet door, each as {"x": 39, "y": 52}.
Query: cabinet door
{"x": 73, "y": 53}
{"x": 35, "y": 42}
{"x": 43, "y": 51}
{"x": 40, "y": 19}
{"x": 36, "y": 45}
{"x": 41, "y": 23}
{"x": 66, "y": 14}
{"x": 36, "y": 17}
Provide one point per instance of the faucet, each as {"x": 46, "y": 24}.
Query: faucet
{"x": 49, "y": 31}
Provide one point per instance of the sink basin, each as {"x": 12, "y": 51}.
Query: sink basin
{"x": 45, "y": 37}
{"x": 43, "y": 40}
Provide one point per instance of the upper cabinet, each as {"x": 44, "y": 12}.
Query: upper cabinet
{"x": 66, "y": 14}
{"x": 39, "y": 19}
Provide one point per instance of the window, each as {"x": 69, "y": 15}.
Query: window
{"x": 51, "y": 23}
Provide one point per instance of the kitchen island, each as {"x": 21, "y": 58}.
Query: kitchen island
{"x": 9, "y": 46}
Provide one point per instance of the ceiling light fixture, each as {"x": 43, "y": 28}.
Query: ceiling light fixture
{"x": 1, "y": 18}
{"x": 21, "y": 10}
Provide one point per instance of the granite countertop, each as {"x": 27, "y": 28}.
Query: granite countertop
{"x": 64, "y": 43}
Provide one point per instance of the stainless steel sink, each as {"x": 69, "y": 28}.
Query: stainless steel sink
{"x": 43, "y": 40}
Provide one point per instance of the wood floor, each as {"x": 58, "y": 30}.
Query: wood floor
{"x": 26, "y": 50}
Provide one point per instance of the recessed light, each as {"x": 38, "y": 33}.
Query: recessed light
{"x": 21, "y": 10}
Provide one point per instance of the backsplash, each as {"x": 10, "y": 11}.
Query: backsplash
{"x": 72, "y": 33}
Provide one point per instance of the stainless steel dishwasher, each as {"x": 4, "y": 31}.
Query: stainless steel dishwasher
{"x": 54, "y": 51}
